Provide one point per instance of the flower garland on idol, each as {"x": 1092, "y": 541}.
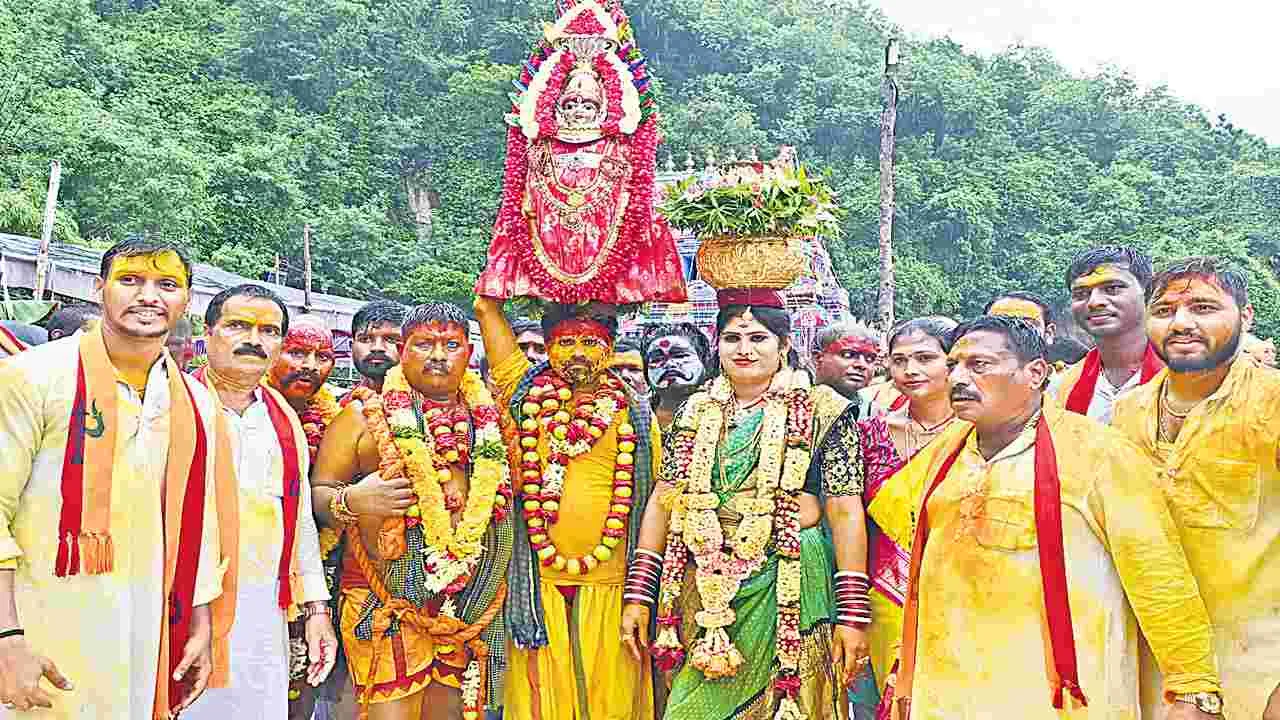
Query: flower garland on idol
{"x": 547, "y": 410}
{"x": 721, "y": 563}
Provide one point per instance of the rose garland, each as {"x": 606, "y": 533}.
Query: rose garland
{"x": 451, "y": 554}
{"x": 571, "y": 435}
{"x": 695, "y": 530}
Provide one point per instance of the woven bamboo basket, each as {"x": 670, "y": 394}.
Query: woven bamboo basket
{"x": 750, "y": 262}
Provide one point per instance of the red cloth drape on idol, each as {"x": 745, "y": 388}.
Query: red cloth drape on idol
{"x": 577, "y": 219}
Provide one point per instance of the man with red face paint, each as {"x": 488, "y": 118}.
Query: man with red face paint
{"x": 1211, "y": 424}
{"x": 299, "y": 373}
{"x": 588, "y": 454}
{"x": 847, "y": 358}
{"x": 416, "y": 477}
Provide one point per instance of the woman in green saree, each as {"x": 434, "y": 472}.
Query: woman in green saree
{"x": 758, "y": 459}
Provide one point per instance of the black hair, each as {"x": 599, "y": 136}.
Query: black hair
{"x": 1223, "y": 274}
{"x": 522, "y": 325}
{"x": 1086, "y": 261}
{"x": 136, "y": 245}
{"x": 776, "y": 320}
{"x": 378, "y": 312}
{"x": 440, "y": 312}
{"x": 557, "y": 314}
{"x": 67, "y": 319}
{"x": 213, "y": 313}
{"x": 1024, "y": 340}
{"x": 1045, "y": 310}
{"x": 938, "y": 327}
{"x": 701, "y": 345}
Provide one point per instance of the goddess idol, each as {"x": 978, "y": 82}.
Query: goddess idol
{"x": 577, "y": 219}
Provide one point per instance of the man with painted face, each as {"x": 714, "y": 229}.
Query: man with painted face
{"x": 299, "y": 372}
{"x": 1038, "y": 531}
{"x": 588, "y": 455}
{"x": 1108, "y": 299}
{"x": 280, "y": 577}
{"x": 111, "y": 487}
{"x": 416, "y": 477}
{"x": 676, "y": 358}
{"x": 847, "y": 356}
{"x": 375, "y": 342}
{"x": 1211, "y": 424}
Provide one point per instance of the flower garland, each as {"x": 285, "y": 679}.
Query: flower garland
{"x": 451, "y": 554}
{"x": 695, "y": 531}
{"x": 321, "y": 409}
{"x": 571, "y": 435}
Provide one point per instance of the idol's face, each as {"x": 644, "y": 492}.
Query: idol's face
{"x": 989, "y": 385}
{"x": 1027, "y": 310}
{"x": 749, "y": 352}
{"x": 306, "y": 359}
{"x": 144, "y": 296}
{"x": 1196, "y": 325}
{"x": 1108, "y": 301}
{"x": 533, "y": 346}
{"x": 247, "y": 338}
{"x": 579, "y": 350}
{"x": 918, "y": 366}
{"x": 848, "y": 364}
{"x": 435, "y": 359}
{"x": 674, "y": 365}
{"x": 376, "y": 349}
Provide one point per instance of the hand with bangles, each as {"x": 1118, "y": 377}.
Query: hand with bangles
{"x": 635, "y": 629}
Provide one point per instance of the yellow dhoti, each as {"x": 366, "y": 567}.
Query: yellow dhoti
{"x": 407, "y": 662}
{"x": 584, "y": 672}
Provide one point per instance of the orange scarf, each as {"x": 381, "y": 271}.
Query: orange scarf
{"x": 84, "y": 526}
{"x": 1053, "y": 574}
{"x": 10, "y": 342}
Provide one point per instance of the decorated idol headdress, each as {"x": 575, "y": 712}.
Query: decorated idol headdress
{"x": 589, "y": 55}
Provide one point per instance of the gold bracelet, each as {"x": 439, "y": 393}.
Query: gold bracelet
{"x": 338, "y": 508}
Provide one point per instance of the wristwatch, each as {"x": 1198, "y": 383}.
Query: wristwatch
{"x": 1209, "y": 703}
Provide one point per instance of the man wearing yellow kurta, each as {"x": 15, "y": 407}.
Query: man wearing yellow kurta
{"x": 108, "y": 582}
{"x": 1026, "y": 560}
{"x": 568, "y": 661}
{"x": 1211, "y": 424}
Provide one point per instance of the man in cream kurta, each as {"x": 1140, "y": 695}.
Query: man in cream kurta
{"x": 259, "y": 643}
{"x": 102, "y": 631}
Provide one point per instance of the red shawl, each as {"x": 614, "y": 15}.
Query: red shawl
{"x": 1082, "y": 392}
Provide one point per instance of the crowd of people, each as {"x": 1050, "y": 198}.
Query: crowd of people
{"x": 939, "y": 521}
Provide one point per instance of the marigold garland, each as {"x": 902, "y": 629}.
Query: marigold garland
{"x": 451, "y": 553}
{"x": 571, "y": 435}
{"x": 694, "y": 531}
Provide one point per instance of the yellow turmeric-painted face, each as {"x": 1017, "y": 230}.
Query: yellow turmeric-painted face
{"x": 1014, "y": 307}
{"x": 144, "y": 296}
{"x": 579, "y": 350}
{"x": 1108, "y": 301}
{"x": 246, "y": 339}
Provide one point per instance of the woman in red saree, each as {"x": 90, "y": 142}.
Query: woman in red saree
{"x": 918, "y": 367}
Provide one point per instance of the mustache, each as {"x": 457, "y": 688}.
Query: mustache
{"x": 961, "y": 393}
{"x": 1182, "y": 336}
{"x": 254, "y": 350}
{"x": 377, "y": 355}
{"x": 309, "y": 375}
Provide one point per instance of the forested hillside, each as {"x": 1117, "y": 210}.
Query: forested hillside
{"x": 232, "y": 122}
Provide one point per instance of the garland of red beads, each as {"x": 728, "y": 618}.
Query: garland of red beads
{"x": 450, "y": 426}
{"x": 572, "y": 435}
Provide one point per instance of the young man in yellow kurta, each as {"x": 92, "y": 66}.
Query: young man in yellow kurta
{"x": 1038, "y": 531}
{"x": 568, "y": 661}
{"x": 100, "y": 605}
{"x": 1211, "y": 424}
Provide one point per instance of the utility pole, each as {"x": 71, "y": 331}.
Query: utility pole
{"x": 46, "y": 230}
{"x": 306, "y": 267}
{"x": 888, "y": 127}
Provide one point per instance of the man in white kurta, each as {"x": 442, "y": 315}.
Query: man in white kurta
{"x": 102, "y": 631}
{"x": 246, "y": 326}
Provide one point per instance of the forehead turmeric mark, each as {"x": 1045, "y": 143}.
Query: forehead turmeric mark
{"x": 1102, "y": 275}
{"x": 164, "y": 265}
{"x": 1013, "y": 307}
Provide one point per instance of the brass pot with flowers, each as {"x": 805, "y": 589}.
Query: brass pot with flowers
{"x": 752, "y": 220}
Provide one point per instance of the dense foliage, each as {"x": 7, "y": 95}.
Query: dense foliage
{"x": 230, "y": 123}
